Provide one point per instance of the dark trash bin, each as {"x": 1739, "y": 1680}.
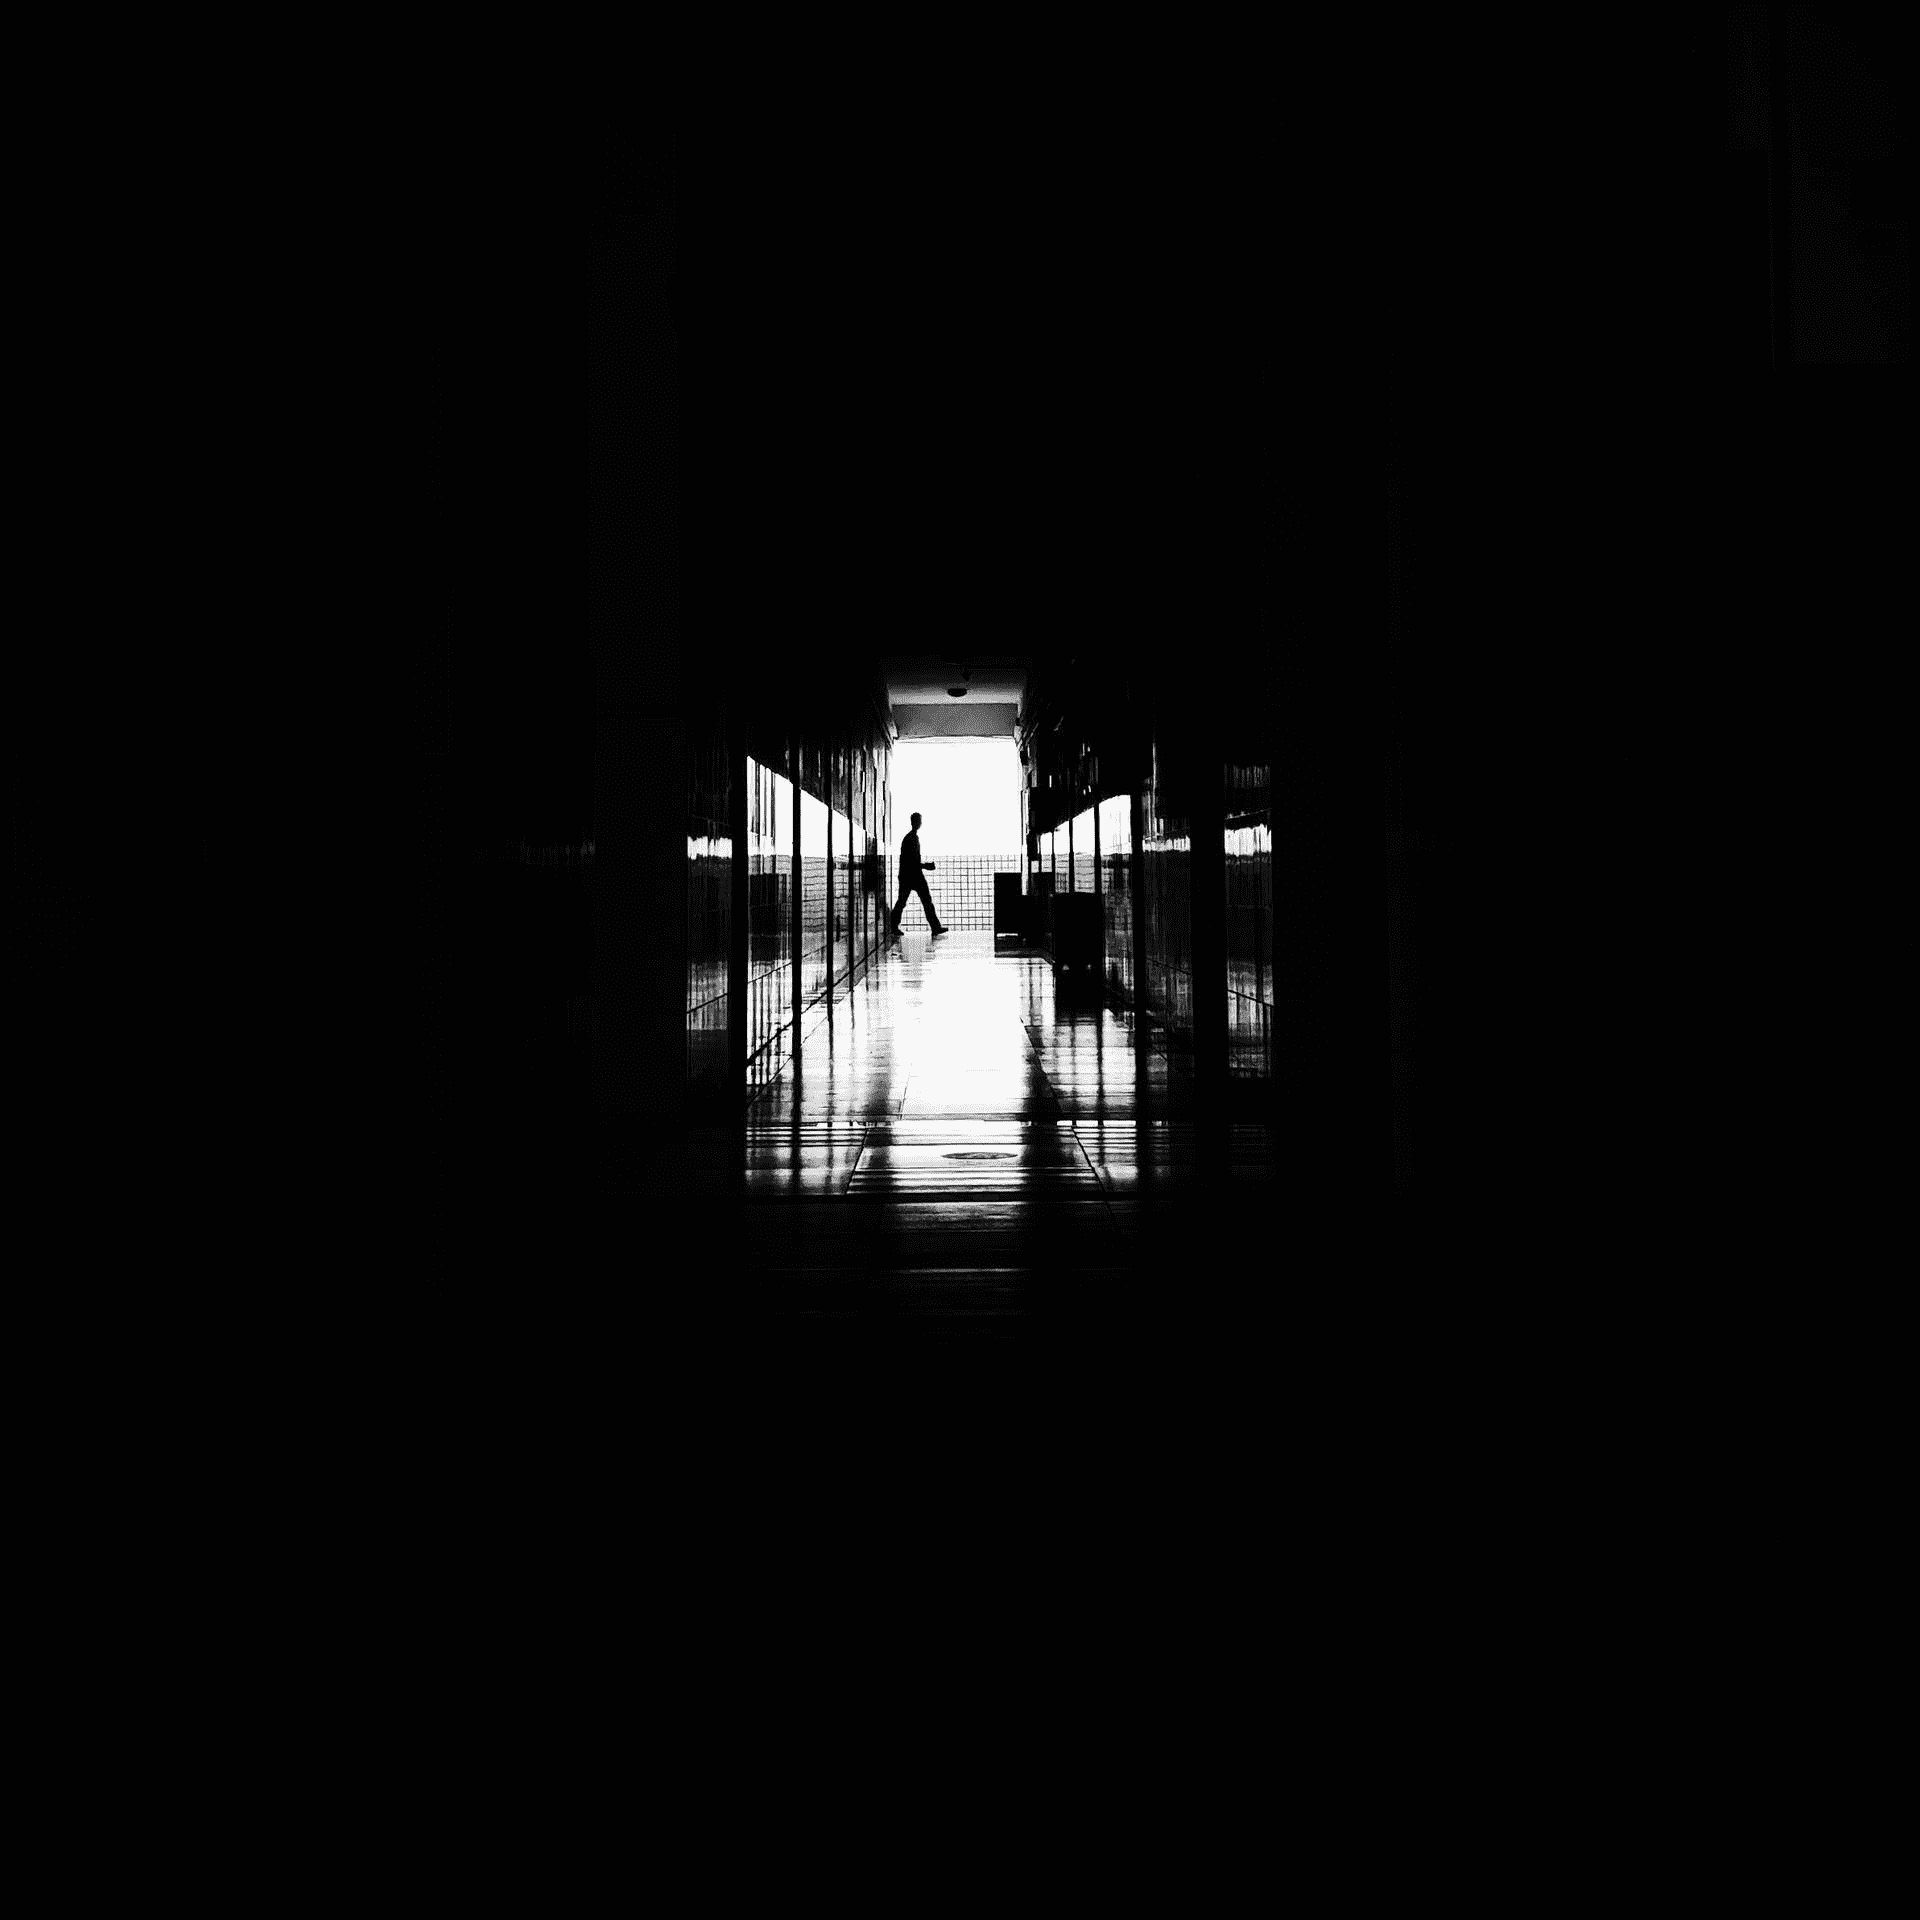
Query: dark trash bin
{"x": 1079, "y": 943}
{"x": 1039, "y": 897}
{"x": 1008, "y": 911}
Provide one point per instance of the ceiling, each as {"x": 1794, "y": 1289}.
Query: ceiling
{"x": 923, "y": 709}
{"x": 958, "y": 720}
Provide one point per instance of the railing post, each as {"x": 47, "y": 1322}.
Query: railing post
{"x": 828, "y": 889}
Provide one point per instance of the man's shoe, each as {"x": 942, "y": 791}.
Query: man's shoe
{"x": 938, "y": 931}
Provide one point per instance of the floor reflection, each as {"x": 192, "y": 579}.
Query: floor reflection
{"x": 951, "y": 1096}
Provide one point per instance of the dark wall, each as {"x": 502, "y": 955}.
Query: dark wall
{"x": 709, "y": 910}
{"x": 1813, "y": 229}
{"x": 552, "y": 369}
{"x": 1849, "y": 191}
{"x": 651, "y": 718}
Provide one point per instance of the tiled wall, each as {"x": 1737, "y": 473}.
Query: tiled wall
{"x": 1166, "y": 860}
{"x": 709, "y": 912}
{"x": 1250, "y": 997}
{"x": 962, "y": 888}
{"x": 1116, "y": 887}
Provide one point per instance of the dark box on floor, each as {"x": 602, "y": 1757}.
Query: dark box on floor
{"x": 1078, "y": 936}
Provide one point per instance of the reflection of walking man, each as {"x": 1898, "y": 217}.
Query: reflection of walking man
{"x": 913, "y": 879}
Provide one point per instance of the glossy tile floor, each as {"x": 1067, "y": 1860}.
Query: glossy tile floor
{"x": 957, "y": 1149}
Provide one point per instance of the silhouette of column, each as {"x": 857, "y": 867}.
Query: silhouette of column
{"x": 853, "y": 836}
{"x": 829, "y": 885}
{"x": 796, "y": 917}
{"x": 1137, "y": 908}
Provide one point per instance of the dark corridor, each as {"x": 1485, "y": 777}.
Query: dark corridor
{"x": 1302, "y": 487}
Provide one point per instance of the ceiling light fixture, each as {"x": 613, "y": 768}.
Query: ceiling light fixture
{"x": 958, "y": 693}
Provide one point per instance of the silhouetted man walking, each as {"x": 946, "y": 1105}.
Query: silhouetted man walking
{"x": 913, "y": 879}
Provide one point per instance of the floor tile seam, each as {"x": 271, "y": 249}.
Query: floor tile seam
{"x": 881, "y": 1194}
{"x": 811, "y": 1129}
{"x": 938, "y": 1128}
{"x": 937, "y": 1156}
{"x": 1011, "y": 1180}
{"x": 860, "y": 1216}
{"x": 853, "y": 1171}
{"x": 1029, "y": 1149}
{"x": 967, "y": 1210}
{"x": 1106, "y": 1196}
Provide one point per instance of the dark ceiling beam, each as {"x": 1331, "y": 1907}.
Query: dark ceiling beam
{"x": 958, "y": 720}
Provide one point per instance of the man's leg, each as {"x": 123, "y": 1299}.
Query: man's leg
{"x": 926, "y": 900}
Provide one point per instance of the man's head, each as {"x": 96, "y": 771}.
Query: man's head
{"x": 916, "y": 823}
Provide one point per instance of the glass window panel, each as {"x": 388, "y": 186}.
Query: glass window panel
{"x": 769, "y": 919}
{"x": 1083, "y": 851}
{"x": 813, "y": 929}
